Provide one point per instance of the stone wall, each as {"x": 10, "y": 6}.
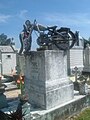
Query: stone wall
{"x": 76, "y": 58}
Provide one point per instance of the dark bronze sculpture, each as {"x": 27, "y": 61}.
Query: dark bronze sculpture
{"x": 63, "y": 38}
{"x": 25, "y": 37}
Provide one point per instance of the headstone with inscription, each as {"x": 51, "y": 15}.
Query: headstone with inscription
{"x": 46, "y": 80}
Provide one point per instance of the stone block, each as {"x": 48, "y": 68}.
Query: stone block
{"x": 46, "y": 80}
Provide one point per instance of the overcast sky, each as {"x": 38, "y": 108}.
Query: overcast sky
{"x": 63, "y": 13}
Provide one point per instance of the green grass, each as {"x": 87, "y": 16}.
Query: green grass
{"x": 84, "y": 115}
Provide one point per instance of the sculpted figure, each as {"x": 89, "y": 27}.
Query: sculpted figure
{"x": 25, "y": 37}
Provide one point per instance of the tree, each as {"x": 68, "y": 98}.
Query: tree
{"x": 4, "y": 40}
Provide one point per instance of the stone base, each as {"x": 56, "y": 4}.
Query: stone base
{"x": 59, "y": 95}
{"x": 53, "y": 96}
{"x": 62, "y": 112}
{"x": 3, "y": 101}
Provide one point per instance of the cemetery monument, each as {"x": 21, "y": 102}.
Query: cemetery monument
{"x": 46, "y": 80}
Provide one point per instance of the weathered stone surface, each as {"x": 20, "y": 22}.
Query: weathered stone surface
{"x": 46, "y": 80}
{"x": 20, "y": 68}
{"x": 62, "y": 112}
{"x": 86, "y": 60}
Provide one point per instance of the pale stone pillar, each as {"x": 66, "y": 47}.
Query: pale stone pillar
{"x": 46, "y": 80}
{"x": 87, "y": 59}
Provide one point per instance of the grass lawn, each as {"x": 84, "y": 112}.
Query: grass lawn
{"x": 84, "y": 115}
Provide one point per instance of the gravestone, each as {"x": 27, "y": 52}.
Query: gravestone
{"x": 46, "y": 80}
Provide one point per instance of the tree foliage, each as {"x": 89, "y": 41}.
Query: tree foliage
{"x": 4, "y": 40}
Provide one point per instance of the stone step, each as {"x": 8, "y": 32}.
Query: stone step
{"x": 10, "y": 86}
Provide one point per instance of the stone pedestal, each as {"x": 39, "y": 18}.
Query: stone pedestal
{"x": 46, "y": 80}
